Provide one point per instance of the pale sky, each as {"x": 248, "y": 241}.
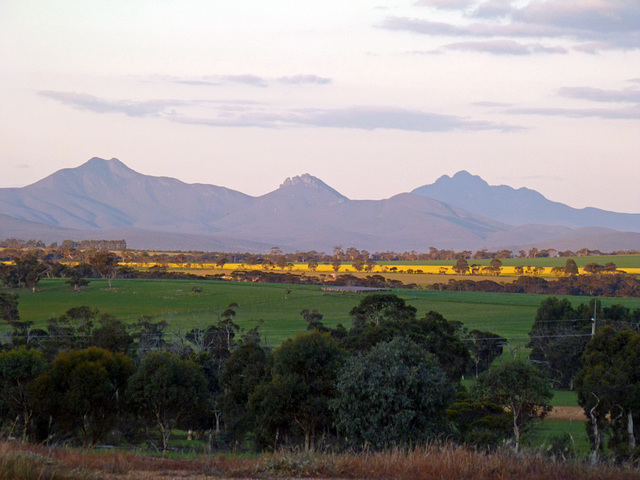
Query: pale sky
{"x": 373, "y": 97}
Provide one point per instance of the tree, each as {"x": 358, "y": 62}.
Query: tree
{"x": 495, "y": 266}
{"x": 478, "y": 424}
{"x": 608, "y": 386}
{"x": 305, "y": 369}
{"x": 381, "y": 306}
{"x": 9, "y": 307}
{"x": 77, "y": 277}
{"x": 167, "y": 391}
{"x": 395, "y": 395}
{"x": 70, "y": 331}
{"x": 105, "y": 263}
{"x": 521, "y": 389}
{"x": 18, "y": 370}
{"x": 558, "y": 337}
{"x": 248, "y": 366}
{"x": 461, "y": 267}
{"x": 485, "y": 348}
{"x": 83, "y": 391}
{"x": 221, "y": 262}
{"x": 111, "y": 334}
{"x": 570, "y": 267}
{"x": 433, "y": 333}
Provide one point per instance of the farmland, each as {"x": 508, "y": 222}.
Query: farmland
{"x": 188, "y": 304}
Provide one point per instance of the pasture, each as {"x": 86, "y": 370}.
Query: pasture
{"x": 275, "y": 307}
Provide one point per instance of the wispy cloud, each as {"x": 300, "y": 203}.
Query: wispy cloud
{"x": 625, "y": 113}
{"x": 361, "y": 118}
{"x": 629, "y": 97}
{"x": 304, "y": 79}
{"x": 248, "y": 79}
{"x": 252, "y": 114}
{"x": 504, "y": 47}
{"x": 589, "y": 26}
{"x": 625, "y": 95}
{"x": 148, "y": 108}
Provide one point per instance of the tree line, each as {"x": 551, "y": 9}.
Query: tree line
{"x": 390, "y": 379}
{"x": 78, "y": 251}
{"x": 87, "y": 379}
{"x": 596, "y": 351}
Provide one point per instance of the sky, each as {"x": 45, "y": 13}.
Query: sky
{"x": 373, "y": 97}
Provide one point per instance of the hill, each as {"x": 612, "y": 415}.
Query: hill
{"x": 520, "y": 206}
{"x": 105, "y": 199}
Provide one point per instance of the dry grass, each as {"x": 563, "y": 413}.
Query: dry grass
{"x": 443, "y": 463}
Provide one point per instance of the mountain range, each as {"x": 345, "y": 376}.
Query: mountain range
{"x": 105, "y": 199}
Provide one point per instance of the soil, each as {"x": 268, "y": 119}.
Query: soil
{"x": 567, "y": 413}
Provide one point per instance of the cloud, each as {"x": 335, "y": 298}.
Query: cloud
{"x": 361, "y": 118}
{"x": 446, "y": 4}
{"x": 504, "y": 47}
{"x": 248, "y": 79}
{"x": 590, "y": 26}
{"x": 254, "y": 114}
{"x": 599, "y": 95}
{"x": 304, "y": 79}
{"x": 149, "y": 108}
{"x": 625, "y": 113}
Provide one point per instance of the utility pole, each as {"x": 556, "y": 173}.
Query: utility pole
{"x": 593, "y": 319}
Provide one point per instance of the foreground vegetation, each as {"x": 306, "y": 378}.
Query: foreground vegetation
{"x": 31, "y": 462}
{"x": 276, "y": 308}
{"x": 255, "y": 367}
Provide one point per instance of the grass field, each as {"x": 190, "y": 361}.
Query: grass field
{"x": 276, "y": 307}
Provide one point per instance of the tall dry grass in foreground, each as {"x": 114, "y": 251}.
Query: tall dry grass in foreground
{"x": 21, "y": 461}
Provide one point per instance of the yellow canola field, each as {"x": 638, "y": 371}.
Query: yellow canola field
{"x": 348, "y": 268}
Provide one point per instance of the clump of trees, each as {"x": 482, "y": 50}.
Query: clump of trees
{"x": 598, "y": 284}
{"x": 595, "y": 350}
{"x": 389, "y": 379}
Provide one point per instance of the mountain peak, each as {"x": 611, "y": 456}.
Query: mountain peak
{"x": 304, "y": 179}
{"x": 462, "y": 177}
{"x": 102, "y": 166}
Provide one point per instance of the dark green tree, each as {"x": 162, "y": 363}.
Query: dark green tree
{"x": 111, "y": 334}
{"x": 558, "y": 337}
{"x": 9, "y": 307}
{"x": 484, "y": 348}
{"x": 518, "y": 387}
{"x": 18, "y": 370}
{"x": 608, "y": 386}
{"x": 478, "y": 424}
{"x": 461, "y": 267}
{"x": 70, "y": 331}
{"x": 305, "y": 367}
{"x": 168, "y": 392}
{"x": 570, "y": 267}
{"x": 381, "y": 306}
{"x": 83, "y": 391}
{"x": 106, "y": 264}
{"x": 395, "y": 395}
{"x": 495, "y": 266}
{"x": 248, "y": 366}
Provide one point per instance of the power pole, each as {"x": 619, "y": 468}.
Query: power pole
{"x": 593, "y": 319}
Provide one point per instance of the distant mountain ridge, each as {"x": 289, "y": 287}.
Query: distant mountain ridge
{"x": 107, "y": 199}
{"x": 520, "y": 206}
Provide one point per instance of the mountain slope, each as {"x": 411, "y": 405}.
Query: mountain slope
{"x": 108, "y": 194}
{"x": 106, "y": 199}
{"x": 520, "y": 206}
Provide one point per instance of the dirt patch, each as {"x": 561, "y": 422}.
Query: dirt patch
{"x": 567, "y": 413}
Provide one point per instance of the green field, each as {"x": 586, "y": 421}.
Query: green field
{"x": 621, "y": 261}
{"x": 276, "y": 307}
